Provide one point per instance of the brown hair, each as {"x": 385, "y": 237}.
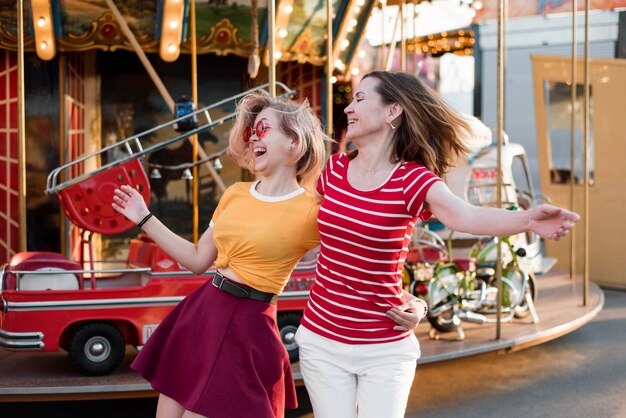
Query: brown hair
{"x": 297, "y": 121}
{"x": 428, "y": 131}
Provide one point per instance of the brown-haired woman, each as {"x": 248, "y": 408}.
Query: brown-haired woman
{"x": 218, "y": 353}
{"x": 352, "y": 350}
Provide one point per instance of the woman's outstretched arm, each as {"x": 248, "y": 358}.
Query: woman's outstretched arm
{"x": 547, "y": 221}
{"x": 197, "y": 258}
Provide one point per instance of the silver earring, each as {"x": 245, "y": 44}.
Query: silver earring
{"x": 391, "y": 125}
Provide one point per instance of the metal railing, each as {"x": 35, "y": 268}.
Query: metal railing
{"x": 133, "y": 147}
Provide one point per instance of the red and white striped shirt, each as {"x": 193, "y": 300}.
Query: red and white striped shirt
{"x": 364, "y": 242}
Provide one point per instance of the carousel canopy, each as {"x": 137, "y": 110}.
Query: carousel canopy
{"x": 162, "y": 26}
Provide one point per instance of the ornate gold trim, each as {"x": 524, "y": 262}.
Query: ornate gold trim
{"x": 222, "y": 39}
{"x": 305, "y": 50}
{"x": 9, "y": 41}
{"x": 105, "y": 34}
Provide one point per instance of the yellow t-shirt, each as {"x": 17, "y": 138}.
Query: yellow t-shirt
{"x": 262, "y": 238}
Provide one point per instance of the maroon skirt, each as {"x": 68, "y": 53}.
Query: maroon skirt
{"x": 221, "y": 357}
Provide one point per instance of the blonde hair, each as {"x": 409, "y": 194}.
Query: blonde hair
{"x": 297, "y": 121}
{"x": 428, "y": 131}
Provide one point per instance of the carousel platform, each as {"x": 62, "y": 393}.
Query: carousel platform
{"x": 49, "y": 376}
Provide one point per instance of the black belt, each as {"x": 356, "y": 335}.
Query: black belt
{"x": 242, "y": 291}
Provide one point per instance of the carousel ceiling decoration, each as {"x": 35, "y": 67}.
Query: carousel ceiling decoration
{"x": 161, "y": 26}
{"x": 43, "y": 25}
{"x": 301, "y": 30}
{"x": 171, "y": 29}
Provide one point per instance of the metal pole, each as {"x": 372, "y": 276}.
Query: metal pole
{"x": 383, "y": 30}
{"x": 21, "y": 128}
{"x": 383, "y": 5}
{"x": 194, "y": 97}
{"x": 329, "y": 72}
{"x": 418, "y": 54}
{"x": 505, "y": 48}
{"x": 402, "y": 37}
{"x": 572, "y": 155}
{"x": 500, "y": 129}
{"x": 392, "y": 45}
{"x": 271, "y": 39}
{"x": 586, "y": 161}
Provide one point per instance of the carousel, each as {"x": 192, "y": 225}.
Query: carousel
{"x": 96, "y": 93}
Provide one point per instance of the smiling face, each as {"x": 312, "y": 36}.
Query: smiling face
{"x": 367, "y": 114}
{"x": 269, "y": 146}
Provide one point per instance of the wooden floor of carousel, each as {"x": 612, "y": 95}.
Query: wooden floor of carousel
{"x": 49, "y": 376}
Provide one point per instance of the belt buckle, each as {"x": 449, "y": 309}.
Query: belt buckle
{"x": 231, "y": 288}
{"x": 221, "y": 279}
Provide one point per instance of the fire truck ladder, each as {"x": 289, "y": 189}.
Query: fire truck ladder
{"x": 86, "y": 197}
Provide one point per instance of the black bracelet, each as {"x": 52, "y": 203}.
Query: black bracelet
{"x": 144, "y": 220}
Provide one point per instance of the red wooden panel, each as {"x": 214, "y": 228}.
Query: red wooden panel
{"x": 14, "y": 207}
{"x": 13, "y": 115}
{"x": 3, "y": 231}
{"x": 13, "y": 82}
{"x": 3, "y": 83}
{"x": 13, "y": 176}
{"x": 14, "y": 237}
{"x": 12, "y": 59}
{"x": 3, "y": 115}
{"x": 74, "y": 117}
{"x": 75, "y": 137}
{"x": 13, "y": 150}
{"x": 8, "y": 150}
{"x": 3, "y": 200}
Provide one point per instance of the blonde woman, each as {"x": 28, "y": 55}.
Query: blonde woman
{"x": 218, "y": 353}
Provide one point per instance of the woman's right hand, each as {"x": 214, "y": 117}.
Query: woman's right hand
{"x": 130, "y": 203}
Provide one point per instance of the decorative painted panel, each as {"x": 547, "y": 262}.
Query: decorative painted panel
{"x": 223, "y": 26}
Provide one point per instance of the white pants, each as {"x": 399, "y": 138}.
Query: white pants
{"x": 338, "y": 377}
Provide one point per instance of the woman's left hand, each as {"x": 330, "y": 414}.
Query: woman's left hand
{"x": 130, "y": 203}
{"x": 407, "y": 316}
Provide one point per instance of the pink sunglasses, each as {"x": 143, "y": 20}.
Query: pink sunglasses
{"x": 259, "y": 130}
